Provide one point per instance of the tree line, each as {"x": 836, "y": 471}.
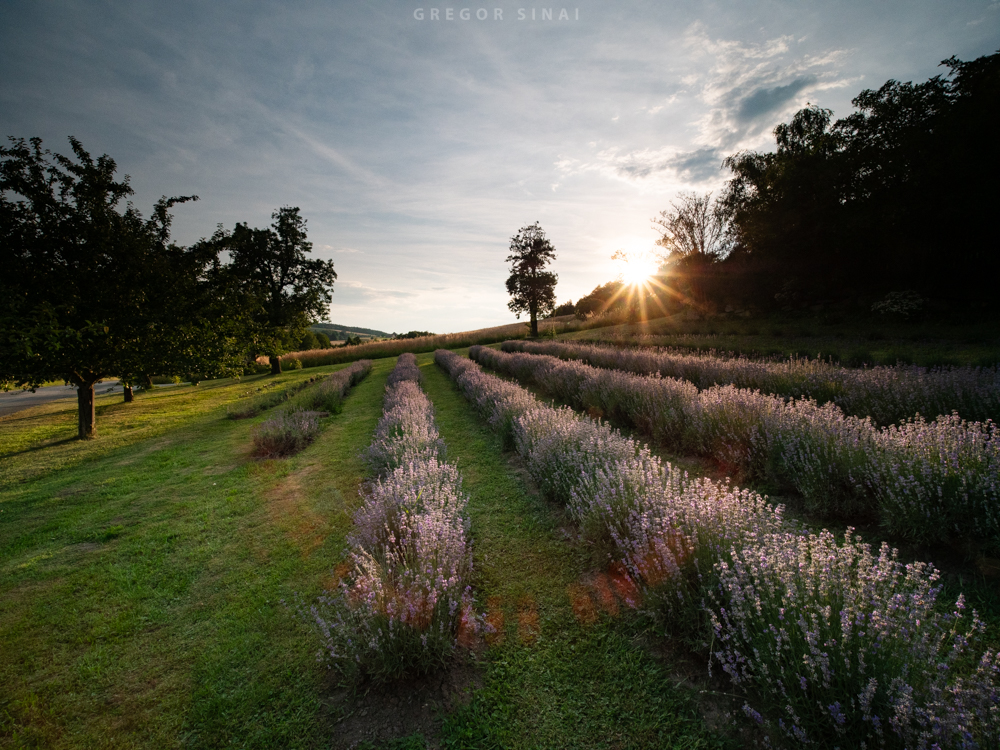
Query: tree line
{"x": 897, "y": 198}
{"x": 91, "y": 289}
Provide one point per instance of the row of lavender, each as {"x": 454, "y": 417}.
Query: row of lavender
{"x": 921, "y": 480}
{"x": 886, "y": 394}
{"x": 835, "y": 644}
{"x": 293, "y": 428}
{"x": 405, "y": 603}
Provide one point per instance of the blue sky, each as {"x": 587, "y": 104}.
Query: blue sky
{"x": 416, "y": 148}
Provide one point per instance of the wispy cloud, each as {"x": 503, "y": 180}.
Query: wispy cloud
{"x": 748, "y": 88}
{"x": 354, "y": 292}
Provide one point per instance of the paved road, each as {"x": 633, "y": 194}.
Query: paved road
{"x": 12, "y": 401}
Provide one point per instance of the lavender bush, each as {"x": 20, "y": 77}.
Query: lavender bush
{"x": 939, "y": 477}
{"x": 838, "y": 647}
{"x": 846, "y": 648}
{"x": 285, "y": 433}
{"x": 406, "y": 431}
{"x": 252, "y": 404}
{"x": 405, "y": 604}
{"x": 886, "y": 394}
{"x": 327, "y": 394}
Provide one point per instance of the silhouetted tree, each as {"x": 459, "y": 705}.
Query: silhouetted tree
{"x": 284, "y": 291}
{"x": 897, "y": 196}
{"x": 604, "y": 298}
{"x": 693, "y": 226}
{"x": 532, "y": 289}
{"x": 83, "y": 282}
{"x": 694, "y": 234}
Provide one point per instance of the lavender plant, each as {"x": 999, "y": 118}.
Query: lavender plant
{"x": 886, "y": 394}
{"x": 845, "y": 648}
{"x": 921, "y": 480}
{"x": 406, "y": 431}
{"x": 324, "y": 394}
{"x": 937, "y": 477}
{"x": 285, "y": 433}
{"x": 329, "y": 393}
{"x": 406, "y": 604}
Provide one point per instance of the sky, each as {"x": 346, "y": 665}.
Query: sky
{"x": 416, "y": 146}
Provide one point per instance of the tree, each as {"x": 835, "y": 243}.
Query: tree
{"x": 284, "y": 291}
{"x": 694, "y": 226}
{"x": 191, "y": 323}
{"x": 80, "y": 277}
{"x": 694, "y": 234}
{"x": 532, "y": 289}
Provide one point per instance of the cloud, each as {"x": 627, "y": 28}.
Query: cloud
{"x": 763, "y": 101}
{"x": 335, "y": 249}
{"x": 749, "y": 88}
{"x": 354, "y": 292}
{"x": 697, "y": 166}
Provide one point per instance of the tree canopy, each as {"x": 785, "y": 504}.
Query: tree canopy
{"x": 897, "y": 196}
{"x": 532, "y": 289}
{"x": 284, "y": 290}
{"x": 91, "y": 289}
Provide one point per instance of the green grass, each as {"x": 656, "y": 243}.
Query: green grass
{"x": 141, "y": 575}
{"x": 42, "y": 439}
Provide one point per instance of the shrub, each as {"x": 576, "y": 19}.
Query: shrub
{"x": 886, "y": 394}
{"x": 922, "y": 480}
{"x": 940, "y": 477}
{"x": 285, "y": 433}
{"x": 405, "y": 605}
{"x": 326, "y": 397}
{"x": 841, "y": 645}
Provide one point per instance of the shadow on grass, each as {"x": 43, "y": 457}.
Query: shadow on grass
{"x": 42, "y": 446}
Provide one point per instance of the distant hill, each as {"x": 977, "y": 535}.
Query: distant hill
{"x": 338, "y": 332}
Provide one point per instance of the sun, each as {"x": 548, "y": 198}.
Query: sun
{"x": 636, "y": 267}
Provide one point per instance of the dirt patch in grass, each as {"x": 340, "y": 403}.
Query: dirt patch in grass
{"x": 383, "y": 713}
{"x": 529, "y": 625}
{"x": 287, "y": 508}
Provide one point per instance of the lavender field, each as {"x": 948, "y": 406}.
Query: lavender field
{"x": 918, "y": 479}
{"x": 833, "y": 639}
{"x": 885, "y": 394}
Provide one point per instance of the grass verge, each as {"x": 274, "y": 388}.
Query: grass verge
{"x": 140, "y": 583}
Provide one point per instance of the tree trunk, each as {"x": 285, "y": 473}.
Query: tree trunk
{"x": 148, "y": 380}
{"x": 127, "y": 392}
{"x": 85, "y": 404}
{"x": 534, "y": 324}
{"x": 275, "y": 365}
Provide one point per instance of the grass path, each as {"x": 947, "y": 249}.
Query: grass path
{"x": 566, "y": 672}
{"x": 140, "y": 588}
